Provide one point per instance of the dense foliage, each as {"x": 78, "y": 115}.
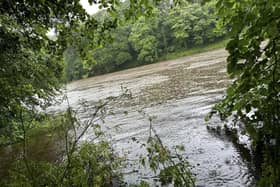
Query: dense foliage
{"x": 149, "y": 39}
{"x": 254, "y": 97}
{"x": 29, "y": 72}
{"x": 31, "y": 67}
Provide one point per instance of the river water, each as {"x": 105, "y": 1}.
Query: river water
{"x": 177, "y": 94}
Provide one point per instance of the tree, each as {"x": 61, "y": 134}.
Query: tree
{"x": 144, "y": 41}
{"x": 180, "y": 22}
{"x": 150, "y": 37}
{"x": 31, "y": 63}
{"x": 253, "y": 62}
{"x": 74, "y": 66}
{"x": 113, "y": 56}
{"x": 194, "y": 24}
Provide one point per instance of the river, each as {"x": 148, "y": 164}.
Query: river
{"x": 177, "y": 94}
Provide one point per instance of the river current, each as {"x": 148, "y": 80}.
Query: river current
{"x": 177, "y": 95}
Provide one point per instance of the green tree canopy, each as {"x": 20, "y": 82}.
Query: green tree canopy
{"x": 143, "y": 39}
{"x": 31, "y": 65}
{"x": 150, "y": 38}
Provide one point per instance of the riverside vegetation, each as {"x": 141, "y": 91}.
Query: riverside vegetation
{"x": 32, "y": 70}
{"x": 167, "y": 34}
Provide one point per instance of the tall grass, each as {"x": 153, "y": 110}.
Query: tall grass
{"x": 195, "y": 50}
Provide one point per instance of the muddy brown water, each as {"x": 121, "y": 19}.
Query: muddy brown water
{"x": 178, "y": 94}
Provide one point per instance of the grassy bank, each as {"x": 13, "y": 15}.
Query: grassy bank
{"x": 195, "y": 50}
